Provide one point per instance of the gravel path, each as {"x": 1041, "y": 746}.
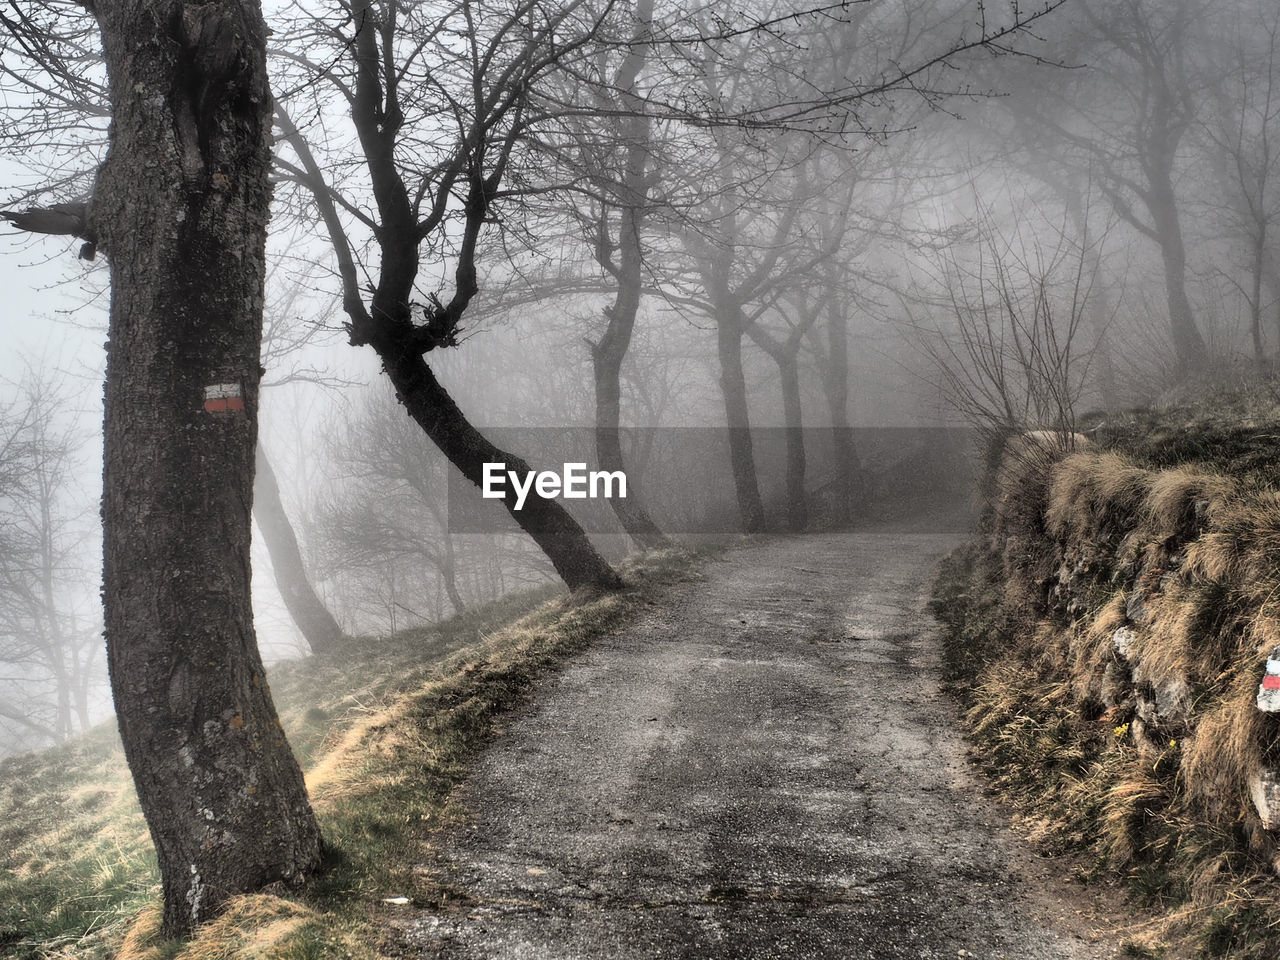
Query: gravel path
{"x": 764, "y": 767}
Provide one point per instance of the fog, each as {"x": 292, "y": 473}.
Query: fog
{"x": 816, "y": 260}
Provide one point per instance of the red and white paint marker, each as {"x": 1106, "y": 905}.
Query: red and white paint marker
{"x": 1269, "y": 690}
{"x": 223, "y": 398}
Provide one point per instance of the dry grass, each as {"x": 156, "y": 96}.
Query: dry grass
{"x": 259, "y": 926}
{"x": 1187, "y": 560}
{"x": 1093, "y": 494}
{"x": 1224, "y": 750}
{"x": 1181, "y": 497}
{"x": 384, "y": 733}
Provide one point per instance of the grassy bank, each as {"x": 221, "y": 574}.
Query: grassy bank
{"x": 1107, "y": 636}
{"x": 383, "y": 734}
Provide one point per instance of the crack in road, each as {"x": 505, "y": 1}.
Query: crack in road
{"x": 762, "y": 767}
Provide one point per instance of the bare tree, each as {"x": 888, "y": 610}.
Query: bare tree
{"x": 307, "y": 610}
{"x": 1242, "y": 135}
{"x": 49, "y": 642}
{"x": 222, "y": 794}
{"x": 1125, "y": 119}
{"x": 1011, "y": 357}
{"x": 404, "y": 75}
{"x": 619, "y": 160}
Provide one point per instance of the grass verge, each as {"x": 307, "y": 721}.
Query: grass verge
{"x": 384, "y": 734}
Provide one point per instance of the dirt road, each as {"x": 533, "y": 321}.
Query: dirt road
{"x": 763, "y": 768}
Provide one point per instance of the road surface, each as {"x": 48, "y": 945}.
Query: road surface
{"x": 764, "y": 767}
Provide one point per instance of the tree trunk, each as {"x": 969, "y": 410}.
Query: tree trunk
{"x": 309, "y": 614}
{"x": 797, "y": 499}
{"x": 607, "y": 354}
{"x": 449, "y": 574}
{"x": 606, "y": 363}
{"x": 1255, "y": 299}
{"x": 835, "y": 383}
{"x": 551, "y": 526}
{"x": 1271, "y": 275}
{"x": 181, "y": 205}
{"x": 733, "y": 386}
{"x": 1189, "y": 348}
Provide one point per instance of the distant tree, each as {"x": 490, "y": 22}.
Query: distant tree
{"x": 387, "y": 506}
{"x": 284, "y": 337}
{"x": 48, "y": 642}
{"x": 619, "y": 161}
{"x": 1123, "y": 119}
{"x": 306, "y": 609}
{"x": 1241, "y": 134}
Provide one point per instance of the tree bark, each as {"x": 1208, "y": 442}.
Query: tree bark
{"x": 181, "y": 205}
{"x": 309, "y": 614}
{"x": 733, "y": 387}
{"x": 552, "y": 527}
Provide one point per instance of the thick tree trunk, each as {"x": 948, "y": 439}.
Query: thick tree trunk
{"x": 309, "y": 614}
{"x": 551, "y": 526}
{"x": 181, "y": 205}
{"x": 733, "y": 387}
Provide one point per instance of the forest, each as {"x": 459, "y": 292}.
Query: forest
{"x": 785, "y": 266}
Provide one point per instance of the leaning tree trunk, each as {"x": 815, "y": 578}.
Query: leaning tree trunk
{"x": 550, "y": 525}
{"x": 307, "y": 610}
{"x": 386, "y": 323}
{"x": 181, "y": 206}
{"x": 733, "y": 387}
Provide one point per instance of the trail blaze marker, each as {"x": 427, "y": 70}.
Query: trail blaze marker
{"x": 223, "y": 398}
{"x": 1269, "y": 690}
